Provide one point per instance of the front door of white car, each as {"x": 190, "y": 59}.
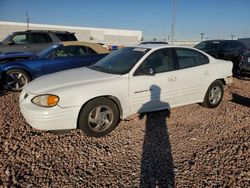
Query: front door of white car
{"x": 153, "y": 84}
{"x": 172, "y": 82}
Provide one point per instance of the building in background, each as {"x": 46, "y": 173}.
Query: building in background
{"x": 119, "y": 37}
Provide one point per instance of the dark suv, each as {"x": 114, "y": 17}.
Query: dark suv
{"x": 231, "y": 50}
{"x": 34, "y": 40}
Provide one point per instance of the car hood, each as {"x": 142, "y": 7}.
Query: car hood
{"x": 68, "y": 78}
{"x": 16, "y": 54}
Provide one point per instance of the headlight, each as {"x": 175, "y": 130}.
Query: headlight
{"x": 46, "y": 100}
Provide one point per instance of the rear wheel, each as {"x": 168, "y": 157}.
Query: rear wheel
{"x": 16, "y": 79}
{"x": 214, "y": 95}
{"x": 98, "y": 117}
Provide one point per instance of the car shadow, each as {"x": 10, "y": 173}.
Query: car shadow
{"x": 238, "y": 99}
{"x": 157, "y": 167}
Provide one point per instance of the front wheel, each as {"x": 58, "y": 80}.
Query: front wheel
{"x": 98, "y": 117}
{"x": 16, "y": 79}
{"x": 214, "y": 95}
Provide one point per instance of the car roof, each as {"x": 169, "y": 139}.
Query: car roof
{"x": 221, "y": 40}
{"x": 157, "y": 46}
{"x": 97, "y": 47}
{"x": 215, "y": 40}
{"x": 44, "y": 31}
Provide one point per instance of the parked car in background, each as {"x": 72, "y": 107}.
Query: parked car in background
{"x": 136, "y": 79}
{"x": 66, "y": 55}
{"x": 231, "y": 50}
{"x": 244, "y": 66}
{"x": 34, "y": 40}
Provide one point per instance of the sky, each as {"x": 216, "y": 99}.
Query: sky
{"x": 214, "y": 18}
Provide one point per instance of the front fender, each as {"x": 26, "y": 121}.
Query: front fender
{"x": 117, "y": 90}
{"x": 7, "y": 67}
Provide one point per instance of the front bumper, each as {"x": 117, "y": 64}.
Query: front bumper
{"x": 55, "y": 118}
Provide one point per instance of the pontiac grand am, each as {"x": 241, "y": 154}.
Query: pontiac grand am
{"x": 138, "y": 79}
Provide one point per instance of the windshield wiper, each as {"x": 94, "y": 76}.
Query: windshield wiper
{"x": 101, "y": 69}
{"x": 98, "y": 68}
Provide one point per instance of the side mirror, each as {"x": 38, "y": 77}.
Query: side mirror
{"x": 51, "y": 55}
{"x": 145, "y": 71}
{"x": 149, "y": 71}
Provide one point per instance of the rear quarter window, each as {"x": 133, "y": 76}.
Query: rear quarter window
{"x": 66, "y": 37}
{"x": 91, "y": 51}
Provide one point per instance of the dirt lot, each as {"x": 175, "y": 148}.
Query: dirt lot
{"x": 191, "y": 146}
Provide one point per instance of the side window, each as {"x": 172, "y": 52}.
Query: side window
{"x": 160, "y": 61}
{"x": 230, "y": 46}
{"x": 20, "y": 38}
{"x": 66, "y": 36}
{"x": 41, "y": 38}
{"x": 190, "y": 58}
{"x": 82, "y": 50}
{"x": 240, "y": 45}
{"x": 67, "y": 51}
{"x": 91, "y": 51}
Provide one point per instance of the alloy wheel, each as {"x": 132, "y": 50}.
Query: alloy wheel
{"x": 16, "y": 80}
{"x": 215, "y": 95}
{"x": 100, "y": 118}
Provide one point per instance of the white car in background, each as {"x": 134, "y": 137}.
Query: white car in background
{"x": 142, "y": 78}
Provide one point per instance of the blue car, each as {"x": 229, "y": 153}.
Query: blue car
{"x": 15, "y": 75}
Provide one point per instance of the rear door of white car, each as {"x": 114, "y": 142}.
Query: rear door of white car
{"x": 193, "y": 75}
{"x": 156, "y": 91}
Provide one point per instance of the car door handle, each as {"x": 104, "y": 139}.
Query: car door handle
{"x": 172, "y": 78}
{"x": 26, "y": 47}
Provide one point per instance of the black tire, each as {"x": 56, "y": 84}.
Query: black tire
{"x": 214, "y": 95}
{"x": 16, "y": 79}
{"x": 98, "y": 117}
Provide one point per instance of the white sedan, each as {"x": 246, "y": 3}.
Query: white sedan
{"x": 142, "y": 78}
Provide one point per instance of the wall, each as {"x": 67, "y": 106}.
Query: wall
{"x": 106, "y": 36}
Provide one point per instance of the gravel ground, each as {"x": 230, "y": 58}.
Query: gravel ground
{"x": 190, "y": 146}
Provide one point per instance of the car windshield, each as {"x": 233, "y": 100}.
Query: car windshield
{"x": 120, "y": 61}
{"x": 207, "y": 45}
{"x": 48, "y": 50}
